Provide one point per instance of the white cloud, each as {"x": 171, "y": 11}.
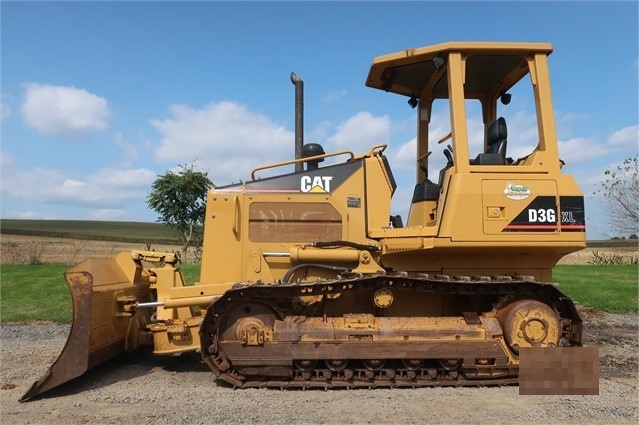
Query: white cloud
{"x": 625, "y": 139}
{"x": 125, "y": 178}
{"x": 27, "y": 215}
{"x": 360, "y": 132}
{"x": 64, "y": 111}
{"x": 107, "y": 188}
{"x": 403, "y": 157}
{"x": 227, "y": 137}
{"x": 230, "y": 140}
{"x": 582, "y": 149}
{"x": 579, "y": 149}
{"x": 104, "y": 214}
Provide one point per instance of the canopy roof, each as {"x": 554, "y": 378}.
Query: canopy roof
{"x": 491, "y": 66}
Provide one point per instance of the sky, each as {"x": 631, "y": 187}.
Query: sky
{"x": 100, "y": 98}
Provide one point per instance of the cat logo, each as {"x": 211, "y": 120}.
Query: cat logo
{"x": 316, "y": 184}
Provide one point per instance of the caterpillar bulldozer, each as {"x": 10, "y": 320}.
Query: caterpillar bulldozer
{"x": 308, "y": 280}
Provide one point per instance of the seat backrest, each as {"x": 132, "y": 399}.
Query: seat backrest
{"x": 496, "y": 138}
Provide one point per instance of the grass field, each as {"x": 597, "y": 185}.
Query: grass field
{"x": 609, "y": 288}
{"x": 34, "y": 293}
{"x": 39, "y": 293}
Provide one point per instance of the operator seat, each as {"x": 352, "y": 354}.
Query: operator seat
{"x": 496, "y": 140}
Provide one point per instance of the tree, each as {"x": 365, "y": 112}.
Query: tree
{"x": 620, "y": 188}
{"x": 180, "y": 200}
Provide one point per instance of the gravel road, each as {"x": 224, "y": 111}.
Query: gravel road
{"x": 146, "y": 389}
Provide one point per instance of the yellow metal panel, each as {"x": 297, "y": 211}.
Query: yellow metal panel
{"x": 222, "y": 252}
{"x": 497, "y": 197}
{"x": 458, "y": 111}
{"x": 378, "y": 194}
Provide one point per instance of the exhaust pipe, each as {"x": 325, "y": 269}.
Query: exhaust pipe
{"x": 299, "y": 119}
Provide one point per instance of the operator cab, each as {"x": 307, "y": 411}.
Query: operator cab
{"x": 462, "y": 92}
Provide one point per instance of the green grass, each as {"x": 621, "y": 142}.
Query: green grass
{"x": 191, "y": 273}
{"x": 34, "y": 293}
{"x": 39, "y": 293}
{"x": 116, "y": 231}
{"x": 608, "y": 288}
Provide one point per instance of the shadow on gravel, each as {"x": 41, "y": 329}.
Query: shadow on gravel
{"x": 127, "y": 367}
{"x": 186, "y": 362}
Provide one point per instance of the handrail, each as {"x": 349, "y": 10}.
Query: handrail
{"x": 294, "y": 161}
{"x": 378, "y": 149}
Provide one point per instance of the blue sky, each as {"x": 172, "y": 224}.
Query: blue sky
{"x": 99, "y": 98}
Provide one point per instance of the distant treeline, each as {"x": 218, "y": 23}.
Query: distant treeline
{"x": 613, "y": 243}
{"x": 115, "y": 231}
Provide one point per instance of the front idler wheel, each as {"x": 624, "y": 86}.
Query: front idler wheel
{"x": 529, "y": 323}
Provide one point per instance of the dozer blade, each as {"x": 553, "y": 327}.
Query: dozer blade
{"x": 105, "y": 321}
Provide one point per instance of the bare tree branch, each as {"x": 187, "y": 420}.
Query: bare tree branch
{"x": 620, "y": 188}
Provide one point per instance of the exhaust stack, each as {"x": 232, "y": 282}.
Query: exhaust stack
{"x": 299, "y": 119}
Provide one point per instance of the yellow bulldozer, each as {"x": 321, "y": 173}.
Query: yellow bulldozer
{"x": 308, "y": 280}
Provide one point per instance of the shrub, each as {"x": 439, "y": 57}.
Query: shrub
{"x": 611, "y": 259}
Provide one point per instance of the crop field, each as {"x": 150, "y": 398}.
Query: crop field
{"x": 69, "y": 241}
{"x": 115, "y": 231}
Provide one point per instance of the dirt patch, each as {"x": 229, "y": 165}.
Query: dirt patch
{"x": 27, "y": 249}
